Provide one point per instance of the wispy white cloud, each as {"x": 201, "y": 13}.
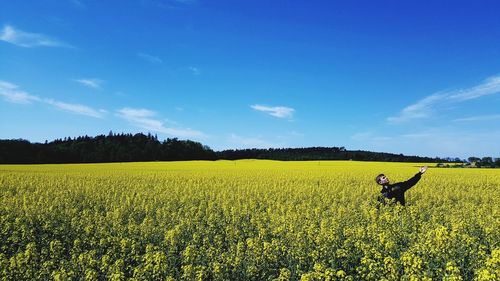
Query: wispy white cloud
{"x": 195, "y": 70}
{"x": 28, "y": 40}
{"x": 421, "y": 109}
{"x": 146, "y": 119}
{"x": 434, "y": 141}
{"x": 150, "y": 58}
{"x": 276, "y": 111}
{"x": 478, "y": 118}
{"x": 90, "y": 82}
{"x": 426, "y": 106}
{"x": 489, "y": 87}
{"x": 11, "y": 93}
{"x": 76, "y": 108}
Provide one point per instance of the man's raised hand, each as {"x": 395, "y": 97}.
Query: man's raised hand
{"x": 423, "y": 169}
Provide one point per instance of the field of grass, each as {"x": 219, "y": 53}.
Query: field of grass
{"x": 246, "y": 220}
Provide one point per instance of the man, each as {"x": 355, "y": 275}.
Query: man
{"x": 397, "y": 190}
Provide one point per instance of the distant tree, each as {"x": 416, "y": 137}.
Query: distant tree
{"x": 473, "y": 159}
{"x": 487, "y": 161}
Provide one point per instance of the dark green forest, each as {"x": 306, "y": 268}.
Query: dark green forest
{"x": 141, "y": 147}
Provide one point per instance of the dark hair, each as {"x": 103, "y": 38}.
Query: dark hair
{"x": 378, "y": 177}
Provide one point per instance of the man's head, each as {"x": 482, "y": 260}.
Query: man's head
{"x": 382, "y": 179}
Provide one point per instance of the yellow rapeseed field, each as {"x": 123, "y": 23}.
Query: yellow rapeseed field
{"x": 246, "y": 220}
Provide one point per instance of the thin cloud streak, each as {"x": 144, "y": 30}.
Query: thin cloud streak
{"x": 146, "y": 119}
{"x": 489, "y": 87}
{"x": 75, "y": 108}
{"x": 478, "y": 118}
{"x": 24, "y": 39}
{"x": 11, "y": 93}
{"x": 276, "y": 111}
{"x": 150, "y": 58}
{"x": 420, "y": 109}
{"x": 91, "y": 83}
{"x": 437, "y": 141}
{"x": 424, "y": 108}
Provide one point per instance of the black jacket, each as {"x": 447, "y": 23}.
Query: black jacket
{"x": 397, "y": 190}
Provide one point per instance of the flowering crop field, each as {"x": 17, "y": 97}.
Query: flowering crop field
{"x": 246, "y": 220}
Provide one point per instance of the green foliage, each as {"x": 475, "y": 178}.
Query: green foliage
{"x": 245, "y": 220}
{"x": 110, "y": 148}
{"x": 140, "y": 147}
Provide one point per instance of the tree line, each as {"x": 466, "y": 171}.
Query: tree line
{"x": 141, "y": 147}
{"x": 102, "y": 148}
{"x": 321, "y": 153}
{"x": 474, "y": 162}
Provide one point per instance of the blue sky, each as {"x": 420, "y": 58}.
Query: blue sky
{"x": 412, "y": 77}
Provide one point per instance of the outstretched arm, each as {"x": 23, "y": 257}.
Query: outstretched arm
{"x": 411, "y": 182}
